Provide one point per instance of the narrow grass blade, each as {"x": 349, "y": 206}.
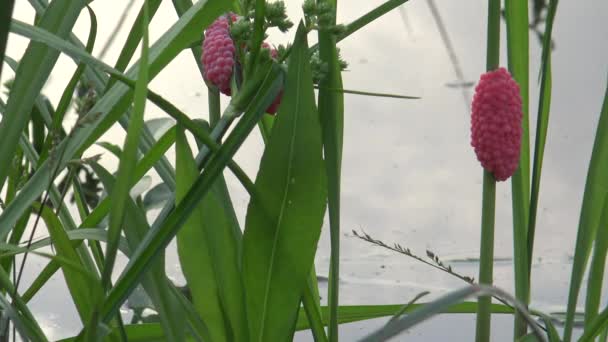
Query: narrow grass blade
{"x": 6, "y": 12}
{"x": 134, "y": 37}
{"x": 284, "y": 221}
{"x": 128, "y": 160}
{"x": 34, "y": 69}
{"x": 542, "y": 120}
{"x": 596, "y": 188}
{"x": 194, "y": 249}
{"x": 256, "y": 38}
{"x": 331, "y": 112}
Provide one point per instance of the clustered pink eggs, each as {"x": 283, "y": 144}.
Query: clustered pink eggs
{"x": 219, "y": 57}
{"x": 496, "y": 123}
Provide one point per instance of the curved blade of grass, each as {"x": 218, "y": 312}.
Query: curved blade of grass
{"x": 596, "y": 187}
{"x": 109, "y": 108}
{"x": 331, "y": 112}
{"x": 369, "y": 17}
{"x": 283, "y": 223}
{"x": 128, "y": 160}
{"x": 154, "y": 282}
{"x": 34, "y": 69}
{"x": 393, "y": 328}
{"x": 356, "y": 313}
{"x": 146, "y": 332}
{"x": 160, "y": 235}
{"x": 194, "y": 249}
{"x": 367, "y": 93}
{"x": 518, "y": 60}
{"x": 6, "y": 12}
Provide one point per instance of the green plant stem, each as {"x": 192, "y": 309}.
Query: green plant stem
{"x": 486, "y": 253}
{"x": 214, "y": 106}
{"x": 486, "y": 256}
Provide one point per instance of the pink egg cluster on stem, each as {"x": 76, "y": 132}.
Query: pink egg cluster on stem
{"x": 496, "y": 123}
{"x": 218, "y": 53}
{"x": 218, "y": 58}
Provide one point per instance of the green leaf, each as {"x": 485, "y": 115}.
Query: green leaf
{"x": 331, "y": 112}
{"x": 33, "y": 71}
{"x": 84, "y": 289}
{"x": 542, "y": 120}
{"x": 147, "y": 332}
{"x": 596, "y": 188}
{"x": 157, "y": 196}
{"x": 518, "y": 59}
{"x": 255, "y": 97}
{"x": 284, "y": 220}
{"x": 194, "y": 249}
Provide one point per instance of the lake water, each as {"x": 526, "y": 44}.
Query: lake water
{"x": 409, "y": 173}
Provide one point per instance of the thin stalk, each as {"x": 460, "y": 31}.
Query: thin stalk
{"x": 213, "y": 95}
{"x": 486, "y": 253}
{"x": 486, "y": 256}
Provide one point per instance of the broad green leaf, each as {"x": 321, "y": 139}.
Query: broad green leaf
{"x": 331, "y": 112}
{"x": 34, "y": 69}
{"x": 109, "y": 108}
{"x": 254, "y": 97}
{"x": 193, "y": 248}
{"x": 518, "y": 60}
{"x": 83, "y": 289}
{"x": 596, "y": 188}
{"x": 221, "y": 231}
{"x": 284, "y": 220}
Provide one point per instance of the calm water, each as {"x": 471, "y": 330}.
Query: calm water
{"x": 409, "y": 175}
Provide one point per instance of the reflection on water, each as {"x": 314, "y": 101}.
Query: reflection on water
{"x": 409, "y": 173}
